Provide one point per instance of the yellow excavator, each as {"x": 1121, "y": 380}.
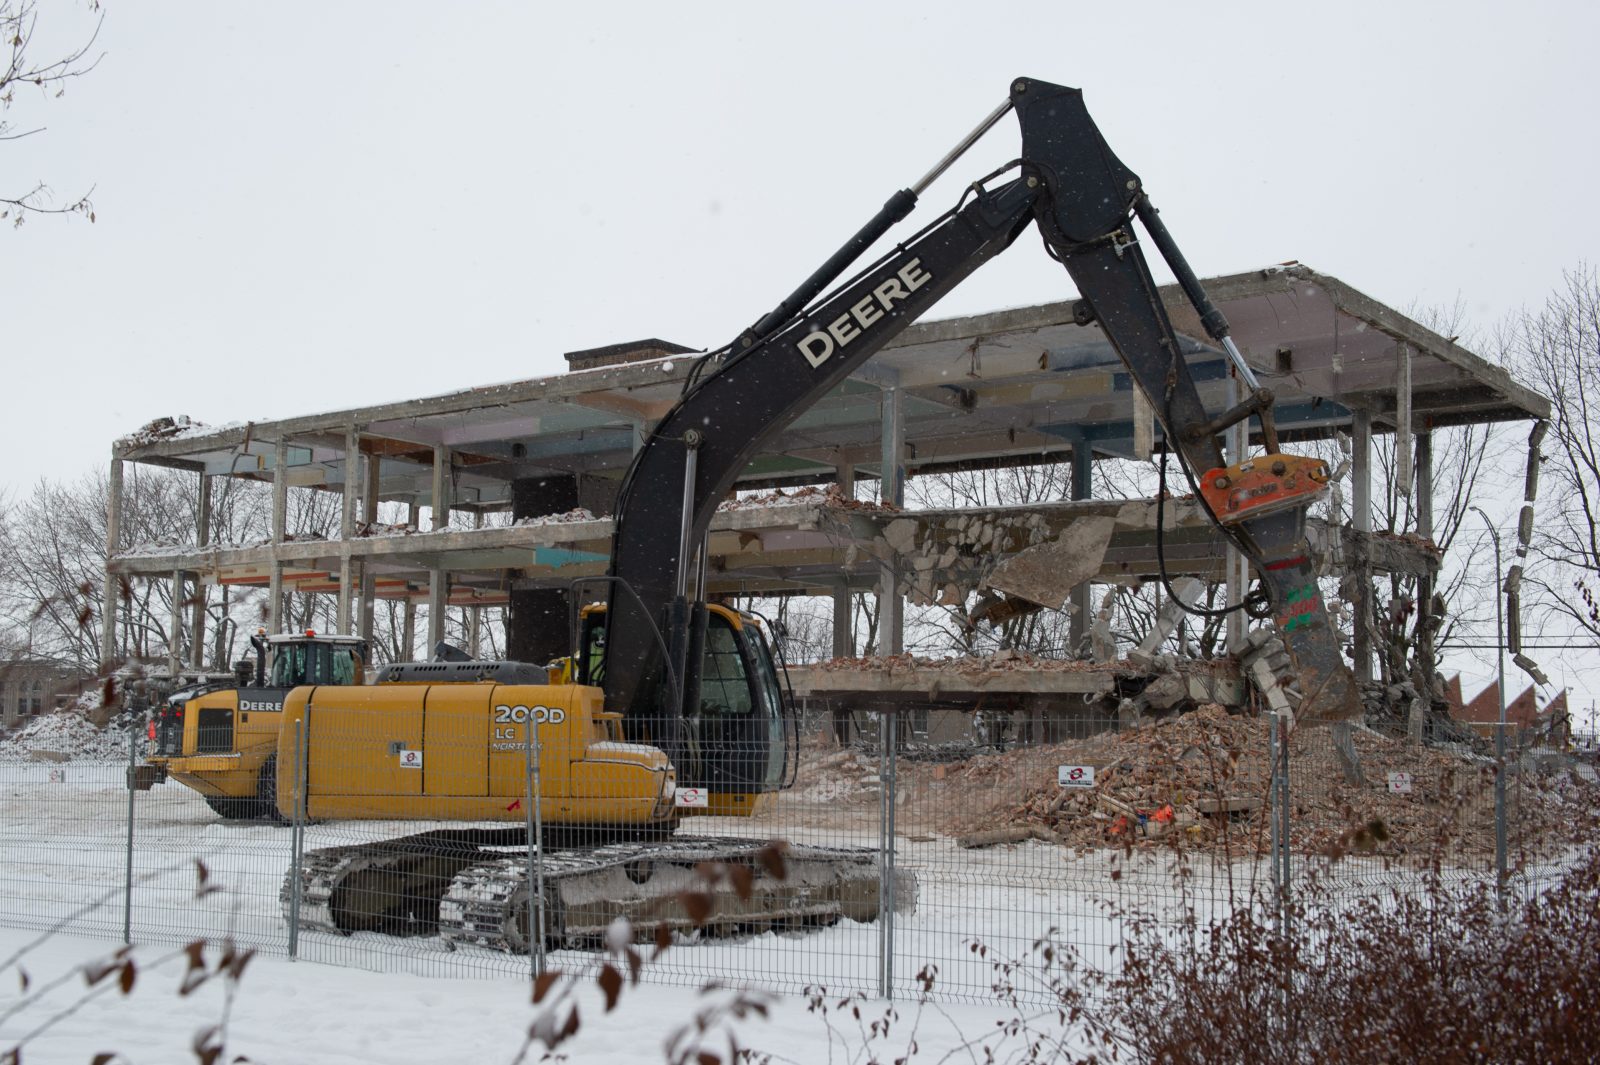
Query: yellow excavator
{"x": 672, "y": 706}
{"x": 473, "y": 743}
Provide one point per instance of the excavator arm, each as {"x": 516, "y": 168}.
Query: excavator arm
{"x": 1083, "y": 200}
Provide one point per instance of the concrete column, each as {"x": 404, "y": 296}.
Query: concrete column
{"x": 1425, "y": 484}
{"x": 892, "y": 489}
{"x": 197, "y": 615}
{"x": 441, "y": 487}
{"x": 408, "y": 632}
{"x": 474, "y": 612}
{"x": 1236, "y": 567}
{"x": 408, "y": 636}
{"x": 438, "y": 603}
{"x": 108, "y": 602}
{"x": 844, "y": 628}
{"x": 175, "y": 626}
{"x": 892, "y": 492}
{"x": 1425, "y": 655}
{"x": 280, "y": 519}
{"x": 1402, "y": 419}
{"x": 347, "y": 528}
{"x": 539, "y": 619}
{"x": 1082, "y": 597}
{"x": 369, "y": 514}
{"x": 1361, "y": 519}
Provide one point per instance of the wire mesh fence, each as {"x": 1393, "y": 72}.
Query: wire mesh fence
{"x": 467, "y": 838}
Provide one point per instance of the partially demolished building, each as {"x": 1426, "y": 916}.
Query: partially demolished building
{"x": 1016, "y": 387}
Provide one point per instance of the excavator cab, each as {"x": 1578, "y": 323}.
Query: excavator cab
{"x": 736, "y": 736}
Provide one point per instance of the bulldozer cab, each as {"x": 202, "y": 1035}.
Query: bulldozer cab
{"x": 301, "y": 659}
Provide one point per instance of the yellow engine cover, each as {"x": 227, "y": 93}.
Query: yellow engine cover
{"x": 461, "y": 752}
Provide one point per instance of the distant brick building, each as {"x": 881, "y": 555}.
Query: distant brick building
{"x": 1523, "y": 714}
{"x": 29, "y": 686}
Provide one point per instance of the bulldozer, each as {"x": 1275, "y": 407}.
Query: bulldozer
{"x": 220, "y": 737}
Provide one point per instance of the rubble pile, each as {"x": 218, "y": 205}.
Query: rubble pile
{"x": 1201, "y": 780}
{"x": 69, "y": 736}
{"x": 829, "y": 495}
{"x": 841, "y": 775}
{"x": 1390, "y": 709}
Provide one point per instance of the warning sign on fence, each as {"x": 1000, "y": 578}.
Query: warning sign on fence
{"x": 1075, "y": 776}
{"x": 691, "y": 797}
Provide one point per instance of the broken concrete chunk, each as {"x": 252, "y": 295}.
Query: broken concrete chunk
{"x": 1047, "y": 573}
{"x": 901, "y": 534}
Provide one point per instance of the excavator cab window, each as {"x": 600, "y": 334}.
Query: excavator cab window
{"x": 724, "y": 686}
{"x": 772, "y": 702}
{"x": 738, "y": 727}
{"x": 591, "y": 663}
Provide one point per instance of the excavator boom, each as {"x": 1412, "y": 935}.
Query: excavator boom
{"x": 1083, "y": 199}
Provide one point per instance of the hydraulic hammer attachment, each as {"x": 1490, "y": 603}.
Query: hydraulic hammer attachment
{"x": 1085, "y": 212}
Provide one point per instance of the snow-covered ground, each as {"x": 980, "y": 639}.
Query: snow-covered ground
{"x": 304, "y": 1013}
{"x": 63, "y": 831}
{"x": 64, "y": 828}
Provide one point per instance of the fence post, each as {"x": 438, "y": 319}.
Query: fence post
{"x": 535, "y": 819}
{"x": 887, "y": 738}
{"x": 1500, "y": 814}
{"x": 127, "y": 882}
{"x": 298, "y": 832}
{"x": 1278, "y": 815}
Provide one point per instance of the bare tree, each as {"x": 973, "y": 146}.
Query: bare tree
{"x": 47, "y": 78}
{"x": 55, "y": 542}
{"x": 1559, "y": 350}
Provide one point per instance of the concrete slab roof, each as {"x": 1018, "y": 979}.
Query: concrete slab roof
{"x": 993, "y": 389}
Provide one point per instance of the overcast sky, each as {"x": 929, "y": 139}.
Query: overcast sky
{"x": 304, "y": 207}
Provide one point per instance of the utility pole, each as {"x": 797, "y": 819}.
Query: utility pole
{"x": 1500, "y": 728}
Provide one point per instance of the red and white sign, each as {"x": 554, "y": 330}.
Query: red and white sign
{"x": 691, "y": 797}
{"x": 410, "y": 759}
{"x": 1075, "y": 776}
{"x": 1400, "y": 783}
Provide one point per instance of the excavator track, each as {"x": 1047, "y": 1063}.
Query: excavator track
{"x": 586, "y": 891}
{"x": 445, "y": 883}
{"x": 392, "y": 887}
